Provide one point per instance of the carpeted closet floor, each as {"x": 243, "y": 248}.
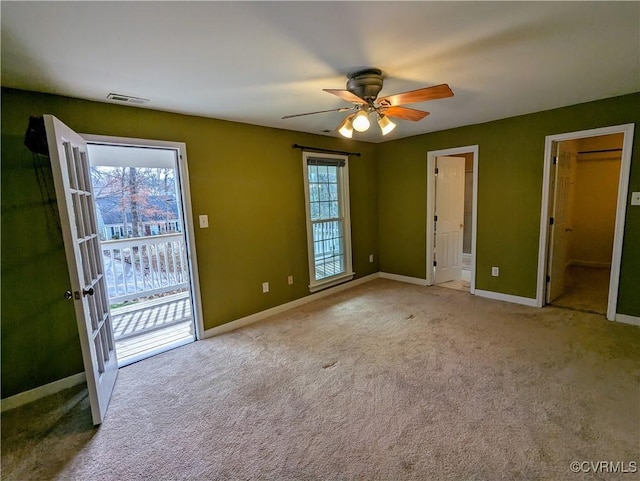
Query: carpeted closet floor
{"x": 384, "y": 381}
{"x": 585, "y": 289}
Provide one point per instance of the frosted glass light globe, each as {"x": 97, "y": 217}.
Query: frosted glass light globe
{"x": 361, "y": 121}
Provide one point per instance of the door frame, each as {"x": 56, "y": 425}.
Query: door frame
{"x": 621, "y": 208}
{"x": 431, "y": 202}
{"x": 185, "y": 193}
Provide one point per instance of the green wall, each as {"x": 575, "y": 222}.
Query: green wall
{"x": 248, "y": 180}
{"x": 510, "y": 171}
{"x": 39, "y": 333}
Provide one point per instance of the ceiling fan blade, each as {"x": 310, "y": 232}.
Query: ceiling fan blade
{"x": 420, "y": 95}
{"x": 346, "y": 95}
{"x": 341, "y": 109}
{"x": 405, "y": 113}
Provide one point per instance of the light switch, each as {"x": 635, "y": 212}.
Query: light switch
{"x": 204, "y": 221}
{"x": 635, "y": 198}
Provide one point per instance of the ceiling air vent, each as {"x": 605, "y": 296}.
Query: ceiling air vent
{"x": 127, "y": 99}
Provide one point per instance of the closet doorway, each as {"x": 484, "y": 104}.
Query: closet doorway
{"x": 584, "y": 204}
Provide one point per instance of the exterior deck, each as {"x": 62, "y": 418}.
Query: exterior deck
{"x": 148, "y": 280}
{"x": 149, "y": 327}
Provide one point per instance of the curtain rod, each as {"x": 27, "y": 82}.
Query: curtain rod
{"x": 319, "y": 149}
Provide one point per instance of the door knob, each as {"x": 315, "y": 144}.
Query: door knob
{"x": 68, "y": 295}
{"x": 88, "y": 292}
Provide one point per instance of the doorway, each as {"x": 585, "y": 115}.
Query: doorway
{"x": 144, "y": 239}
{"x": 585, "y": 191}
{"x": 81, "y": 232}
{"x": 451, "y": 217}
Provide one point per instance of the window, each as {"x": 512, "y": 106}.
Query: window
{"x": 326, "y": 187}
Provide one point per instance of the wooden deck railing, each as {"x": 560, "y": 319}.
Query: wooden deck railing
{"x": 144, "y": 266}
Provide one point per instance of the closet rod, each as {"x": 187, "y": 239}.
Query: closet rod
{"x": 599, "y": 151}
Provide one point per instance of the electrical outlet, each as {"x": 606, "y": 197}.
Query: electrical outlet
{"x": 370, "y": 257}
{"x": 204, "y": 221}
{"x": 290, "y": 280}
{"x": 495, "y": 271}
{"x": 265, "y": 287}
{"x": 635, "y": 198}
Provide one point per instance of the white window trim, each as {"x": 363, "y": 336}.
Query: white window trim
{"x": 348, "y": 274}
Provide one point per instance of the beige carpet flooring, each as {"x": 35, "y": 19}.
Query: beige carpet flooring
{"x": 384, "y": 381}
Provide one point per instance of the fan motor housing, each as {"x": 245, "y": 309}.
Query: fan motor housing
{"x": 366, "y": 84}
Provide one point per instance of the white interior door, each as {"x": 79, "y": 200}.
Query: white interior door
{"x": 449, "y": 218}
{"x": 559, "y": 228}
{"x": 70, "y": 166}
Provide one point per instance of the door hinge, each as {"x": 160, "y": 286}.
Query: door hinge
{"x": 551, "y": 220}
{"x": 435, "y": 218}
{"x": 555, "y": 160}
{"x": 436, "y": 171}
{"x": 548, "y": 278}
{"x": 435, "y": 263}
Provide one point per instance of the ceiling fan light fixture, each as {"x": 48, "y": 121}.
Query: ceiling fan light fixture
{"x": 346, "y": 127}
{"x": 385, "y": 124}
{"x": 362, "y": 91}
{"x": 361, "y": 121}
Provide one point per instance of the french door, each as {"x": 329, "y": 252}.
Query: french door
{"x": 76, "y": 207}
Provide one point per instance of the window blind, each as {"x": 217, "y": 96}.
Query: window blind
{"x": 320, "y": 161}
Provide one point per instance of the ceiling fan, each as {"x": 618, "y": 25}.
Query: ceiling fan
{"x": 362, "y": 90}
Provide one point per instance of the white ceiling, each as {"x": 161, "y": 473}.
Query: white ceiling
{"x": 254, "y": 62}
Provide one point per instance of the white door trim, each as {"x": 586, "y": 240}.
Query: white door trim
{"x": 431, "y": 200}
{"x": 185, "y": 192}
{"x": 621, "y": 209}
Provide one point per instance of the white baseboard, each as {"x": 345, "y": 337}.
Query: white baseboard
{"x": 42, "y": 391}
{"x": 258, "y": 316}
{"x": 498, "y": 296}
{"x": 407, "y": 279}
{"x": 634, "y": 321}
